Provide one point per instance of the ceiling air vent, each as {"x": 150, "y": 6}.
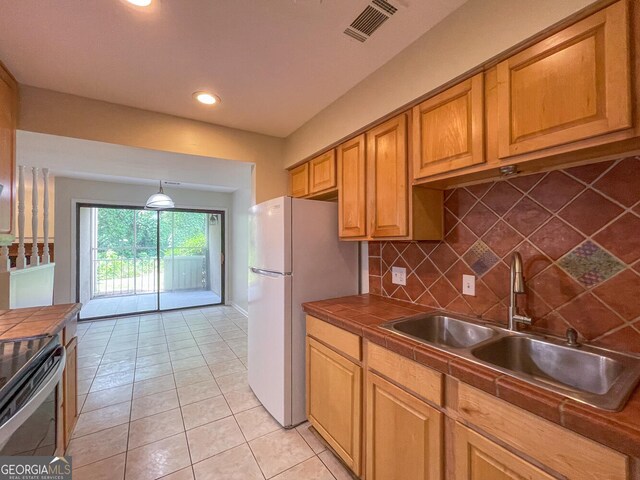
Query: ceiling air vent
{"x": 370, "y": 20}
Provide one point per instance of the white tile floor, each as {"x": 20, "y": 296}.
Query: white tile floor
{"x": 166, "y": 396}
{"x": 132, "y": 304}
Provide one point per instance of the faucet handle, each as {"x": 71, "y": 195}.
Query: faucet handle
{"x": 572, "y": 337}
{"x": 522, "y": 319}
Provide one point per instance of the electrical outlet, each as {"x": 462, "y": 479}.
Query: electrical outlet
{"x": 469, "y": 285}
{"x": 399, "y": 275}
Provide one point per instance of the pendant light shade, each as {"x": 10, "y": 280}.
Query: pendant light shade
{"x": 159, "y": 201}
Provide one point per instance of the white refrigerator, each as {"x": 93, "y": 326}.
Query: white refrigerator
{"x": 294, "y": 257}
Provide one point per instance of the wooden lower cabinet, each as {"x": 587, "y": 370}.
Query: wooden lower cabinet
{"x": 334, "y": 401}
{"x": 478, "y": 458}
{"x": 409, "y": 422}
{"x": 69, "y": 382}
{"x": 403, "y": 434}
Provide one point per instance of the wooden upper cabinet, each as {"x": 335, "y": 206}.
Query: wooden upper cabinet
{"x": 352, "y": 179}
{"x": 8, "y": 123}
{"x": 387, "y": 189}
{"x": 299, "y": 180}
{"x": 477, "y": 458}
{"x": 448, "y": 131}
{"x": 322, "y": 172}
{"x": 404, "y": 435}
{"x": 571, "y": 86}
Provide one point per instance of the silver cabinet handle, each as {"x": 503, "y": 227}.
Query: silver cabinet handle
{"x": 268, "y": 273}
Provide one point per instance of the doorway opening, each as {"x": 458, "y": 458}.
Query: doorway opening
{"x": 131, "y": 260}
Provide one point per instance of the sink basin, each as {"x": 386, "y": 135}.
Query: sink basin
{"x": 441, "y": 330}
{"x": 595, "y": 376}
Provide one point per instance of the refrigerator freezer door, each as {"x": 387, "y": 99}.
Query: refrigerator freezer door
{"x": 270, "y": 236}
{"x": 269, "y": 347}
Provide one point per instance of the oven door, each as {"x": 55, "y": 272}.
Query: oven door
{"x": 31, "y": 430}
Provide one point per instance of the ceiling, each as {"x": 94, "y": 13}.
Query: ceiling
{"x": 274, "y": 63}
{"x": 67, "y": 157}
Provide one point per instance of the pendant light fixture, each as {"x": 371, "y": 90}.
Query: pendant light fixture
{"x": 159, "y": 201}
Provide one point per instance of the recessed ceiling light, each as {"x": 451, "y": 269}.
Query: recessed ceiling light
{"x": 140, "y": 3}
{"x": 206, "y": 98}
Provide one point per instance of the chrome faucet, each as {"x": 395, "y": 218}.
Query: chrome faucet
{"x": 516, "y": 287}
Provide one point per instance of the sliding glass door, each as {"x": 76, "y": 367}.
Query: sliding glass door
{"x": 190, "y": 259}
{"x": 131, "y": 260}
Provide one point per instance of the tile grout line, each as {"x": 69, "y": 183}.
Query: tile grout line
{"x": 236, "y": 325}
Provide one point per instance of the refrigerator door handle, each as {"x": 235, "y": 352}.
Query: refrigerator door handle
{"x": 268, "y": 273}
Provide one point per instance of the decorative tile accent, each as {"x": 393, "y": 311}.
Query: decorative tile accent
{"x": 480, "y": 258}
{"x": 590, "y": 264}
{"x": 577, "y": 232}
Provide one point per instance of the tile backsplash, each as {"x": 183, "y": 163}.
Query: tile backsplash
{"x": 578, "y": 231}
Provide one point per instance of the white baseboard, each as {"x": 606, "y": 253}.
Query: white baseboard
{"x": 240, "y": 309}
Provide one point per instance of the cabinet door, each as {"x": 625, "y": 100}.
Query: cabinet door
{"x": 322, "y": 172}
{"x": 571, "y": 86}
{"x": 70, "y": 382}
{"x": 352, "y": 179}
{"x": 387, "y": 189}
{"x": 478, "y": 458}
{"x": 8, "y": 120}
{"x": 299, "y": 180}
{"x": 403, "y": 434}
{"x": 448, "y": 129}
{"x": 334, "y": 395}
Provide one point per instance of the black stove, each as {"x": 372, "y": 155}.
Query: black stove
{"x": 18, "y": 359}
{"x": 30, "y": 371}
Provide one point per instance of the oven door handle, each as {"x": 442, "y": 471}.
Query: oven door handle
{"x": 47, "y": 386}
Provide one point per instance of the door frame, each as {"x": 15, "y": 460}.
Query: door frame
{"x": 78, "y": 204}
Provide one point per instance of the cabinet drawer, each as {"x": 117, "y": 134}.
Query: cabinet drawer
{"x": 566, "y": 452}
{"x": 421, "y": 380}
{"x": 343, "y": 341}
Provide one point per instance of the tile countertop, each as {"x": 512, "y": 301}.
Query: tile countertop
{"x": 29, "y": 322}
{"x": 362, "y": 314}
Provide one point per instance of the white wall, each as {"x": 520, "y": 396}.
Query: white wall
{"x": 64, "y": 115}
{"x": 71, "y": 190}
{"x": 473, "y": 34}
{"x": 239, "y": 264}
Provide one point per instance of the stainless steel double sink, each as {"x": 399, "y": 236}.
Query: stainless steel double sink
{"x": 595, "y": 376}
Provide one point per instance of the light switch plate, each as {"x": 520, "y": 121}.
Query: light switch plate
{"x": 469, "y": 285}
{"x": 399, "y": 275}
